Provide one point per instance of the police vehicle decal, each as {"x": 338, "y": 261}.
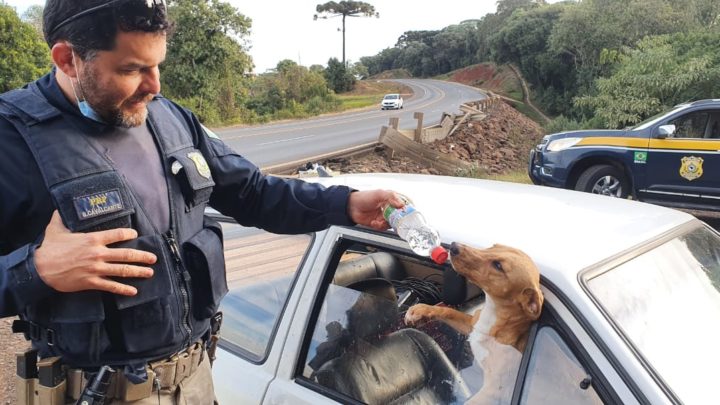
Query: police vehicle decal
{"x": 705, "y": 145}
{"x": 640, "y": 157}
{"x": 691, "y": 167}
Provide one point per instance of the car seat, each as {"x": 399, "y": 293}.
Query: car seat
{"x": 405, "y": 366}
{"x": 373, "y": 265}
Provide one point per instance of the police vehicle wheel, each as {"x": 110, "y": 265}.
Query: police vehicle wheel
{"x": 604, "y": 180}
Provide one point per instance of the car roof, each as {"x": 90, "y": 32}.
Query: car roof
{"x": 563, "y": 231}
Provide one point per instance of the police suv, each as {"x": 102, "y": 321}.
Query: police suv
{"x": 670, "y": 159}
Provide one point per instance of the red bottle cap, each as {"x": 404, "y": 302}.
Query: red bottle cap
{"x": 439, "y": 255}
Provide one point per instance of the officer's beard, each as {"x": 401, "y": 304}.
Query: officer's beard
{"x": 112, "y": 111}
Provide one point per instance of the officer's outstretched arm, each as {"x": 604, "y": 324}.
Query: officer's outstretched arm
{"x": 70, "y": 262}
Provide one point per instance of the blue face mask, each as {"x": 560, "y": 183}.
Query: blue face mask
{"x": 85, "y": 109}
{"x": 88, "y": 112}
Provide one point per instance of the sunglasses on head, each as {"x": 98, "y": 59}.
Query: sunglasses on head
{"x": 138, "y": 12}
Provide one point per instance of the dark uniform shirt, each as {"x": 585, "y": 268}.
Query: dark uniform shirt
{"x": 135, "y": 155}
{"x": 241, "y": 191}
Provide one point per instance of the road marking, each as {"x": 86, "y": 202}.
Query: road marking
{"x": 287, "y": 140}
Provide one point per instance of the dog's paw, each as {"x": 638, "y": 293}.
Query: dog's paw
{"x": 418, "y": 313}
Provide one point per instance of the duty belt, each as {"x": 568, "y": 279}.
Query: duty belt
{"x": 163, "y": 374}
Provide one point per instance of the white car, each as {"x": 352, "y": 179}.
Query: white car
{"x": 391, "y": 101}
{"x": 631, "y": 310}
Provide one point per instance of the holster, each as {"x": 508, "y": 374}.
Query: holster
{"x": 39, "y": 382}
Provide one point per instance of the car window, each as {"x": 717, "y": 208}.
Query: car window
{"x": 691, "y": 125}
{"x": 360, "y": 347}
{"x": 261, "y": 268}
{"x": 655, "y": 118}
{"x": 667, "y": 303}
{"x": 713, "y": 131}
{"x": 554, "y": 375}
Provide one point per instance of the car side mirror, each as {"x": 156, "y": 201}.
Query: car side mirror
{"x": 666, "y": 131}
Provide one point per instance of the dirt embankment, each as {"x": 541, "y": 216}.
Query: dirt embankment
{"x": 499, "y": 144}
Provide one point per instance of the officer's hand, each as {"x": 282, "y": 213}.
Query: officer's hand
{"x": 365, "y": 207}
{"x": 70, "y": 262}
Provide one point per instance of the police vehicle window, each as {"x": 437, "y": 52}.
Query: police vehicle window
{"x": 692, "y": 125}
{"x": 360, "y": 346}
{"x": 555, "y": 376}
{"x": 261, "y": 267}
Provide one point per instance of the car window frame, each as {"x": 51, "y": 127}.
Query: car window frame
{"x": 242, "y": 352}
{"x": 551, "y": 318}
{"x": 384, "y": 240}
{"x": 678, "y": 114}
{"x": 608, "y": 265}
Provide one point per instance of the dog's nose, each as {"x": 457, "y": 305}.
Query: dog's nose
{"x": 454, "y": 249}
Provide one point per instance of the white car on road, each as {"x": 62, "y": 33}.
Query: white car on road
{"x": 392, "y": 101}
{"x": 632, "y": 303}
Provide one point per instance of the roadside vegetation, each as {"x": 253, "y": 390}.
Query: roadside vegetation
{"x": 633, "y": 59}
{"x": 208, "y": 68}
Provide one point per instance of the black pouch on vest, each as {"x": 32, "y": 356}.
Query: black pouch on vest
{"x": 95, "y": 202}
{"x": 77, "y": 319}
{"x": 205, "y": 261}
{"x": 149, "y": 289}
{"x": 145, "y": 319}
{"x": 193, "y": 175}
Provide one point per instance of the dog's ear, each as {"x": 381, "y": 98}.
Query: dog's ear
{"x": 531, "y": 300}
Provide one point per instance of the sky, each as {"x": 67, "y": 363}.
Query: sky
{"x": 286, "y": 30}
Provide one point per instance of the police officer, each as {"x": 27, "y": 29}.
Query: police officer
{"x": 107, "y": 256}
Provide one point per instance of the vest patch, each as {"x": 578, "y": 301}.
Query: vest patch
{"x": 93, "y": 205}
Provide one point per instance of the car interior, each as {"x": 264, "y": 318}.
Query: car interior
{"x": 361, "y": 347}
{"x": 357, "y": 347}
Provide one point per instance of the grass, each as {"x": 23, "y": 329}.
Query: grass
{"x": 519, "y": 176}
{"x": 369, "y": 93}
{"x": 526, "y": 110}
{"x": 349, "y": 102}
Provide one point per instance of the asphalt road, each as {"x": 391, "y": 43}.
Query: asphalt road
{"x": 289, "y": 141}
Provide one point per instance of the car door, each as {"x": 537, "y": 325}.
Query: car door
{"x": 262, "y": 274}
{"x": 563, "y": 363}
{"x": 345, "y": 325}
{"x": 682, "y": 169}
{"x": 290, "y": 385}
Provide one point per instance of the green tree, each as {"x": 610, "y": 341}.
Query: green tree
{"x": 663, "y": 71}
{"x": 337, "y": 76}
{"x": 610, "y": 25}
{"x": 523, "y": 41}
{"x": 359, "y": 70}
{"x": 285, "y": 65}
{"x": 291, "y": 91}
{"x": 207, "y": 58}
{"x": 34, "y": 16}
{"x": 345, "y": 9}
{"x": 317, "y": 68}
{"x": 23, "y": 55}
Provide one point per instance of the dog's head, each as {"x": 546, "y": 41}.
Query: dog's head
{"x": 506, "y": 274}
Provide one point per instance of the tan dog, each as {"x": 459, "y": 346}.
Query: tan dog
{"x": 499, "y": 332}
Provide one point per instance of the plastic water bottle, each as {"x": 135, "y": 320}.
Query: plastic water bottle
{"x": 410, "y": 225}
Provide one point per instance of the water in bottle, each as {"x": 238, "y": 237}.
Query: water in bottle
{"x": 410, "y": 225}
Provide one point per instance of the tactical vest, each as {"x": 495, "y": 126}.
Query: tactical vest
{"x": 171, "y": 309}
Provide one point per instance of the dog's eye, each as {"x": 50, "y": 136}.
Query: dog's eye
{"x": 497, "y": 265}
